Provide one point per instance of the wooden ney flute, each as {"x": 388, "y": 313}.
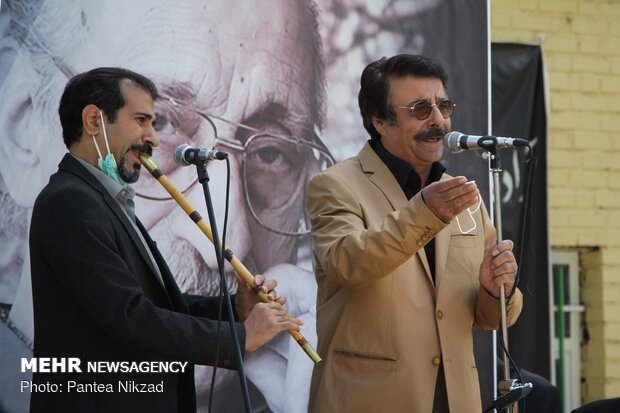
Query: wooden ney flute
{"x": 228, "y": 254}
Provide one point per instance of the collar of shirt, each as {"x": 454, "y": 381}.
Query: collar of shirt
{"x": 122, "y": 195}
{"x": 405, "y": 175}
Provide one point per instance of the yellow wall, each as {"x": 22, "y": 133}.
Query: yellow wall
{"x": 581, "y": 45}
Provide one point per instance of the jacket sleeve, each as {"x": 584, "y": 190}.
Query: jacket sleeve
{"x": 349, "y": 251}
{"x": 76, "y": 244}
{"x": 202, "y": 306}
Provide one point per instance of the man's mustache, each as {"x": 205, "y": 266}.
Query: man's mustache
{"x": 142, "y": 148}
{"x": 430, "y": 133}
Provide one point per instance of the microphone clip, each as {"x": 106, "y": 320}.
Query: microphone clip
{"x": 488, "y": 143}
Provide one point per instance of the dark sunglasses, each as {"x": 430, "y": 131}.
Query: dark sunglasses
{"x": 421, "y": 109}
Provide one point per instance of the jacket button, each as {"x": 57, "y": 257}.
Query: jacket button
{"x": 420, "y": 243}
{"x": 436, "y": 360}
{"x": 439, "y": 315}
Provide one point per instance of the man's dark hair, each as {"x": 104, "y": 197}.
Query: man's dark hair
{"x": 100, "y": 87}
{"x": 374, "y": 97}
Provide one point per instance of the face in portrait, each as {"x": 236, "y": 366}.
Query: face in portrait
{"x": 243, "y": 77}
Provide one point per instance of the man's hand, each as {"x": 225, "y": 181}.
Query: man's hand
{"x": 447, "y": 199}
{"x": 265, "y": 321}
{"x": 247, "y": 298}
{"x": 499, "y": 267}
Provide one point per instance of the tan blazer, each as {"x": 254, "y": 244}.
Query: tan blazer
{"x": 382, "y": 325}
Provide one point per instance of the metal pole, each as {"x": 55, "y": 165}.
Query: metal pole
{"x": 562, "y": 331}
{"x": 495, "y": 170}
{"x": 502, "y": 291}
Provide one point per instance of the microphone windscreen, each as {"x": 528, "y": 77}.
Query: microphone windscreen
{"x": 178, "y": 155}
{"x": 451, "y": 142}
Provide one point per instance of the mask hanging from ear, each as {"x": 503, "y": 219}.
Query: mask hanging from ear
{"x": 108, "y": 164}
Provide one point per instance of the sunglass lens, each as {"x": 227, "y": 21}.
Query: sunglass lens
{"x": 446, "y": 108}
{"x": 421, "y": 110}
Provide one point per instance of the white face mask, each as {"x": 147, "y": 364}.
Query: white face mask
{"x": 471, "y": 215}
{"x": 108, "y": 165}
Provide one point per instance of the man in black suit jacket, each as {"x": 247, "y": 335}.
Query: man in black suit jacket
{"x": 101, "y": 289}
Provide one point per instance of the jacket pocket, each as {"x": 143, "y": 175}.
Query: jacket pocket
{"x": 362, "y": 356}
{"x": 363, "y": 382}
{"x": 364, "y": 362}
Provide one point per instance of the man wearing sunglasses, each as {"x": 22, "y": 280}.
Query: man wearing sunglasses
{"x": 401, "y": 277}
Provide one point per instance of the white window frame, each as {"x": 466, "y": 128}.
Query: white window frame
{"x": 572, "y": 344}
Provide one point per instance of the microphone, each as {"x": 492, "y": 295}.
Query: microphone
{"x": 456, "y": 142}
{"x": 185, "y": 155}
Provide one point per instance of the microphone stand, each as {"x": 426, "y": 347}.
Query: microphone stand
{"x": 203, "y": 178}
{"x": 495, "y": 168}
{"x": 507, "y": 386}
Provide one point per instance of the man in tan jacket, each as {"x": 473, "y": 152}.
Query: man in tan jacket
{"x": 405, "y": 258}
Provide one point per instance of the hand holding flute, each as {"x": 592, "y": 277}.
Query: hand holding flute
{"x": 262, "y": 321}
{"x": 240, "y": 269}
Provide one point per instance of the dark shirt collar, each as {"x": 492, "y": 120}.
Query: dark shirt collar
{"x": 405, "y": 175}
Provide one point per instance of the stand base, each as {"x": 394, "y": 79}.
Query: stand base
{"x": 511, "y": 391}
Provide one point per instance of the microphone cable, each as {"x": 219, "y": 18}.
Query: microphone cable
{"x": 529, "y": 174}
{"x": 221, "y": 292}
{"x": 530, "y": 163}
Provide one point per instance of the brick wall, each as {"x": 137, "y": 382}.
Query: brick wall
{"x": 581, "y": 44}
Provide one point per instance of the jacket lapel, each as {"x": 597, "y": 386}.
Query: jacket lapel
{"x": 442, "y": 239}
{"x": 379, "y": 174}
{"x": 72, "y": 166}
{"x": 442, "y": 244}
{"x": 172, "y": 289}
{"x": 424, "y": 259}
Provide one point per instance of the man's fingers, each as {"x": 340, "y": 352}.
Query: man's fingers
{"x": 448, "y": 184}
{"x": 499, "y": 267}
{"x": 455, "y": 187}
{"x": 463, "y": 192}
{"x": 464, "y": 201}
{"x": 263, "y": 285}
{"x": 509, "y": 267}
{"x": 280, "y": 317}
{"x": 259, "y": 279}
{"x": 269, "y": 285}
{"x": 450, "y": 197}
{"x": 505, "y": 257}
{"x": 505, "y": 245}
{"x": 265, "y": 321}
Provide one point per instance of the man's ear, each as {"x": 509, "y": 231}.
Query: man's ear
{"x": 380, "y": 125}
{"x": 90, "y": 120}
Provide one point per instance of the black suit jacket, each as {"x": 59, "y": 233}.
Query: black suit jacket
{"x": 97, "y": 297}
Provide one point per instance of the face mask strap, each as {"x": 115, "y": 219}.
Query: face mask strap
{"x": 105, "y": 135}
{"x": 471, "y": 215}
{"x": 96, "y": 147}
{"x": 477, "y": 206}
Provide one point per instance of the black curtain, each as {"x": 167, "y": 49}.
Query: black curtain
{"x": 518, "y": 110}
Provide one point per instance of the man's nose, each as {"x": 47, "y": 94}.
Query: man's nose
{"x": 436, "y": 118}
{"x": 151, "y": 137}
